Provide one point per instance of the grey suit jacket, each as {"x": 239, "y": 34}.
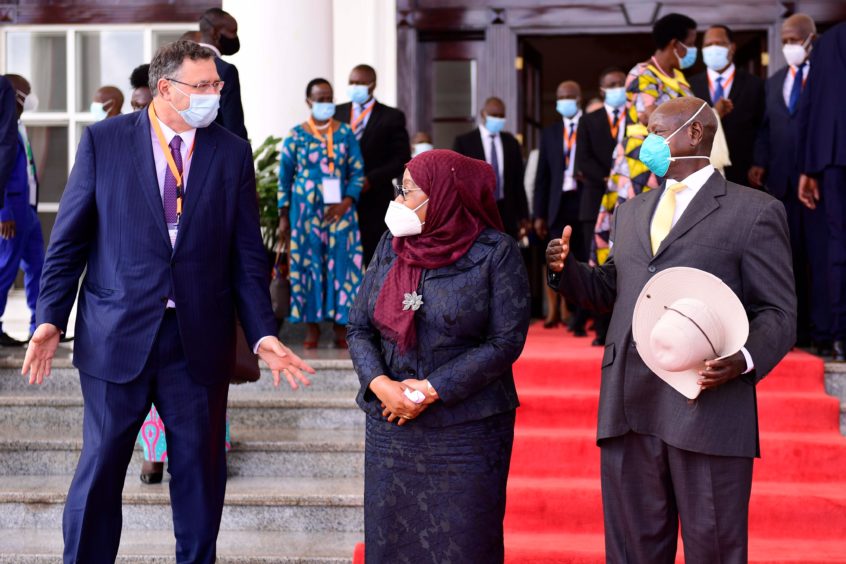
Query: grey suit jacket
{"x": 733, "y": 232}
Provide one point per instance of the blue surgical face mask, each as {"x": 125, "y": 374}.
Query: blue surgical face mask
{"x": 201, "y": 110}
{"x": 615, "y": 97}
{"x": 689, "y": 58}
{"x": 715, "y": 57}
{"x": 655, "y": 151}
{"x": 494, "y": 124}
{"x": 567, "y": 107}
{"x": 421, "y": 148}
{"x": 98, "y": 110}
{"x": 358, "y": 93}
{"x": 322, "y": 110}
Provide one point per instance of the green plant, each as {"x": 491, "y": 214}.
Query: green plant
{"x": 266, "y": 159}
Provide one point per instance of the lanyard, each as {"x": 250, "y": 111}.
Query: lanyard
{"x": 726, "y": 84}
{"x": 180, "y": 189}
{"x": 361, "y": 117}
{"x": 569, "y": 141}
{"x": 615, "y": 127}
{"x": 804, "y": 76}
{"x": 327, "y": 140}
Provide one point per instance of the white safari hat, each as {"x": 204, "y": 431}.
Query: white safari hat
{"x": 683, "y": 317}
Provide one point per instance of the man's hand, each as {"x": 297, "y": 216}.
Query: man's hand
{"x": 557, "y": 251}
{"x": 396, "y": 407}
{"x": 724, "y": 107}
{"x": 809, "y": 191}
{"x": 7, "y": 229}
{"x": 540, "y": 228}
{"x": 525, "y": 228}
{"x": 756, "y": 176}
{"x": 366, "y": 186}
{"x": 718, "y": 372}
{"x": 40, "y": 353}
{"x": 280, "y": 359}
{"x": 337, "y": 211}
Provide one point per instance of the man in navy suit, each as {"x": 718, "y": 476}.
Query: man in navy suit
{"x": 160, "y": 212}
{"x": 776, "y": 168}
{"x": 219, "y": 32}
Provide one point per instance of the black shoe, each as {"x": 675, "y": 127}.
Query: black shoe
{"x": 152, "y": 472}
{"x": 822, "y": 348}
{"x": 579, "y": 332}
{"x": 839, "y": 349}
{"x": 7, "y": 341}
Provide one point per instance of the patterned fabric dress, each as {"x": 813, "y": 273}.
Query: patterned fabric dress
{"x": 646, "y": 87}
{"x": 153, "y": 441}
{"x": 326, "y": 258}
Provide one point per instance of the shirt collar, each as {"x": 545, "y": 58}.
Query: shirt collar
{"x": 611, "y": 109}
{"x": 367, "y": 105}
{"x": 696, "y": 180}
{"x": 485, "y": 133}
{"x": 169, "y": 134}
{"x": 574, "y": 119}
{"x": 212, "y": 47}
{"x": 805, "y": 69}
{"x": 713, "y": 75}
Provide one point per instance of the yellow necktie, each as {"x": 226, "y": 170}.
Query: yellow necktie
{"x": 663, "y": 220}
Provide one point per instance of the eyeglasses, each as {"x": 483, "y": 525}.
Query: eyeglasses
{"x": 204, "y": 86}
{"x": 400, "y": 190}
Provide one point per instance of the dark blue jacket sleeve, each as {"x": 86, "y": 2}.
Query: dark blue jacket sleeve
{"x": 8, "y": 133}
{"x": 75, "y": 228}
{"x": 761, "y": 155}
{"x": 508, "y": 325}
{"x": 231, "y": 109}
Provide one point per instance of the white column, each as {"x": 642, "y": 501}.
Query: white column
{"x": 284, "y": 44}
{"x": 365, "y": 32}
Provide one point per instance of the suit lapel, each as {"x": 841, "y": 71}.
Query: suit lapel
{"x": 145, "y": 166}
{"x": 737, "y": 87}
{"x": 702, "y": 205}
{"x": 645, "y": 211}
{"x": 204, "y": 149}
{"x": 375, "y": 116}
{"x": 559, "y": 145}
{"x": 479, "y": 145}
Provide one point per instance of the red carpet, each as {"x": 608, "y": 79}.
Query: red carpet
{"x": 554, "y": 515}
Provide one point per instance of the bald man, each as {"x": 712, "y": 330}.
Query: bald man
{"x": 777, "y": 169}
{"x": 219, "y": 32}
{"x": 665, "y": 459}
{"x": 108, "y": 101}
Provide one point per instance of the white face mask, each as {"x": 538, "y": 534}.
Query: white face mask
{"x": 28, "y": 101}
{"x": 421, "y": 148}
{"x": 402, "y": 221}
{"x": 98, "y": 109}
{"x": 794, "y": 54}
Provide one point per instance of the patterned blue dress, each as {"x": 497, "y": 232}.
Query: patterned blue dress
{"x": 326, "y": 258}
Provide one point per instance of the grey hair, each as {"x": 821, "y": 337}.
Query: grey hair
{"x": 168, "y": 60}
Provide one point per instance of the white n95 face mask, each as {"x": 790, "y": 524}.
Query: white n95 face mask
{"x": 402, "y": 221}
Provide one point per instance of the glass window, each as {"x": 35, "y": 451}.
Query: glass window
{"x": 106, "y": 58}
{"x": 454, "y": 84}
{"x": 50, "y": 151}
{"x": 41, "y": 58}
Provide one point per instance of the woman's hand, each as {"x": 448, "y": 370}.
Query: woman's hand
{"x": 284, "y": 226}
{"x": 337, "y": 211}
{"x": 396, "y": 406}
{"x": 422, "y": 387}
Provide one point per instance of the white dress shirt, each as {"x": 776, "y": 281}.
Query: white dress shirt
{"x": 357, "y": 110}
{"x": 790, "y": 78}
{"x": 726, "y": 75}
{"x": 486, "y": 145}
{"x": 569, "y": 179}
{"x": 621, "y": 129}
{"x": 694, "y": 183}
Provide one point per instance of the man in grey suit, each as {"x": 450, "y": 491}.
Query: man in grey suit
{"x": 665, "y": 458}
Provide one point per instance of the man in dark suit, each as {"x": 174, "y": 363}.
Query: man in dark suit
{"x": 8, "y": 134}
{"x": 501, "y": 150}
{"x": 777, "y": 169}
{"x": 665, "y": 458}
{"x": 381, "y": 132}
{"x": 156, "y": 315}
{"x": 599, "y": 133}
{"x": 736, "y": 95}
{"x": 822, "y": 160}
{"x": 219, "y": 32}
{"x": 560, "y": 192}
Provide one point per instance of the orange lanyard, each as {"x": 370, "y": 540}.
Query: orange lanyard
{"x": 327, "y": 140}
{"x": 726, "y": 84}
{"x": 615, "y": 127}
{"x": 361, "y": 117}
{"x": 569, "y": 141}
{"x": 804, "y": 76}
{"x": 180, "y": 189}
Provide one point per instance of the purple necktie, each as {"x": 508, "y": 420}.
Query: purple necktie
{"x": 170, "y": 181}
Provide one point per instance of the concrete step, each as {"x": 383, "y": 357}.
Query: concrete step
{"x": 273, "y": 408}
{"x": 835, "y": 384}
{"x": 267, "y": 451}
{"x": 31, "y": 546}
{"x": 301, "y": 505}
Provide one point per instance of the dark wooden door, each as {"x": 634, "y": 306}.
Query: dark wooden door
{"x": 530, "y": 95}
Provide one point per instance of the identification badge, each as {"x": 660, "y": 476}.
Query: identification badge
{"x": 331, "y": 190}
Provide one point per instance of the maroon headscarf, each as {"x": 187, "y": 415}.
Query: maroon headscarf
{"x": 461, "y": 205}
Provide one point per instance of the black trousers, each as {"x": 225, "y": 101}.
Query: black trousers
{"x": 196, "y": 432}
{"x": 649, "y": 486}
{"x": 833, "y": 198}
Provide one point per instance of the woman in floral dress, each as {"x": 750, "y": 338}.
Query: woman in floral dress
{"x": 321, "y": 174}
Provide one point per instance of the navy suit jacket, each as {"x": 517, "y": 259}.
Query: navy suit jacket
{"x": 231, "y": 113}
{"x": 8, "y": 133}
{"x": 111, "y": 220}
{"x": 775, "y": 148}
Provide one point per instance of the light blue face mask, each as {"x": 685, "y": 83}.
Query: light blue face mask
{"x": 358, "y": 93}
{"x": 689, "y": 58}
{"x": 322, "y": 110}
{"x": 201, "y": 110}
{"x": 655, "y": 151}
{"x": 715, "y": 57}
{"x": 494, "y": 124}
{"x": 567, "y": 107}
{"x": 615, "y": 97}
{"x": 421, "y": 148}
{"x": 98, "y": 110}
